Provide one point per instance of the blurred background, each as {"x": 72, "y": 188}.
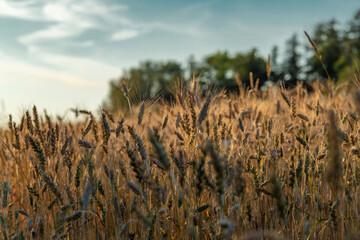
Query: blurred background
{"x": 66, "y": 54}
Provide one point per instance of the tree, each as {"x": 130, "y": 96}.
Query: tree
{"x": 274, "y": 56}
{"x": 198, "y": 70}
{"x": 221, "y": 68}
{"x": 243, "y": 64}
{"x": 330, "y": 46}
{"x": 218, "y": 68}
{"x": 276, "y": 70}
{"x": 291, "y": 65}
{"x": 352, "y": 36}
{"x": 351, "y": 55}
{"x": 340, "y": 51}
{"x": 169, "y": 73}
{"x": 144, "y": 82}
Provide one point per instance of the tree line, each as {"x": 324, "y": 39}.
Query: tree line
{"x": 339, "y": 47}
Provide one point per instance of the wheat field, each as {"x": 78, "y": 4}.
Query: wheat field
{"x": 274, "y": 164}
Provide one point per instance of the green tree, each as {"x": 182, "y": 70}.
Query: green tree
{"x": 144, "y": 82}
{"x": 351, "y": 56}
{"x": 276, "y": 69}
{"x": 218, "y": 68}
{"x": 329, "y": 42}
{"x": 291, "y": 64}
{"x": 198, "y": 69}
{"x": 352, "y": 36}
{"x": 169, "y": 73}
{"x": 274, "y": 56}
{"x": 243, "y": 64}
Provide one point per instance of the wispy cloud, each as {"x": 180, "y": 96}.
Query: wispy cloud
{"x": 66, "y": 19}
{"x": 79, "y": 72}
{"x": 86, "y": 44}
{"x": 141, "y": 28}
{"x": 93, "y": 70}
{"x": 65, "y": 25}
{"x": 125, "y": 34}
{"x": 53, "y": 33}
{"x": 193, "y": 30}
{"x": 28, "y": 10}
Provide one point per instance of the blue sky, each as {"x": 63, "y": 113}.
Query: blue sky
{"x": 61, "y": 53}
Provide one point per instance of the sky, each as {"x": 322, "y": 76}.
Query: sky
{"x": 59, "y": 54}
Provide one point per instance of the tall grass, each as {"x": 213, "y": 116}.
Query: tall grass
{"x": 275, "y": 165}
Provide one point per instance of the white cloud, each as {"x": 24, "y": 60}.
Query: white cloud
{"x": 87, "y": 44}
{"x": 75, "y": 73}
{"x": 183, "y": 29}
{"x": 125, "y": 34}
{"x": 86, "y": 68}
{"x": 65, "y": 22}
{"x": 69, "y": 19}
{"x": 28, "y": 10}
{"x": 142, "y": 28}
{"x": 47, "y": 75}
{"x": 53, "y": 33}
{"x": 76, "y": 82}
{"x": 66, "y": 18}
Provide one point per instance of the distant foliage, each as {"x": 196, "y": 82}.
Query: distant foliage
{"x": 339, "y": 49}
